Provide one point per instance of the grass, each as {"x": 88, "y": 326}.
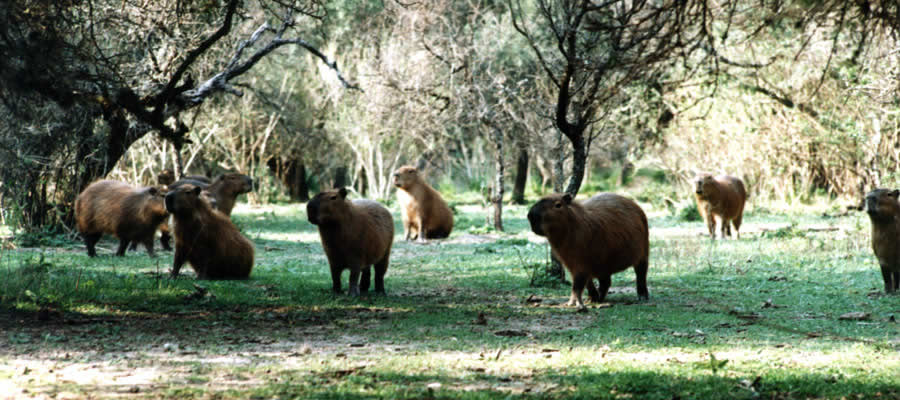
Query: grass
{"x": 754, "y": 318}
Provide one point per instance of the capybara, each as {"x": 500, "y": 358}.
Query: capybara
{"x": 206, "y": 238}
{"x": 165, "y": 177}
{"x": 132, "y": 214}
{"x": 720, "y": 196}
{"x": 355, "y": 234}
{"x": 425, "y": 213}
{"x": 223, "y": 191}
{"x": 884, "y": 211}
{"x": 595, "y": 238}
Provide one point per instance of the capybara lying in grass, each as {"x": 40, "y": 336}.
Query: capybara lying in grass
{"x": 131, "y": 214}
{"x": 884, "y": 211}
{"x": 425, "y": 213}
{"x": 223, "y": 191}
{"x": 355, "y": 234}
{"x": 595, "y": 238}
{"x": 720, "y": 196}
{"x": 206, "y": 238}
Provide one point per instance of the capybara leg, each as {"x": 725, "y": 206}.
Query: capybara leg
{"x": 123, "y": 245}
{"x": 90, "y": 241}
{"x": 640, "y": 277}
{"x": 578, "y": 282}
{"x": 354, "y": 282}
{"x": 420, "y": 228}
{"x": 888, "y": 275}
{"x": 365, "y": 280}
{"x": 711, "y": 224}
{"x": 177, "y": 262}
{"x": 133, "y": 246}
{"x": 148, "y": 244}
{"x": 725, "y": 227}
{"x": 380, "y": 269}
{"x": 896, "y": 281}
{"x": 335, "y": 279}
{"x": 605, "y": 282}
{"x": 592, "y": 291}
{"x": 165, "y": 240}
{"x": 737, "y": 225}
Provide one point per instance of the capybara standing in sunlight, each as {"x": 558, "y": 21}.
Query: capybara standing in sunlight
{"x": 720, "y": 196}
{"x": 595, "y": 238}
{"x": 223, "y": 191}
{"x": 884, "y": 211}
{"x": 355, "y": 234}
{"x": 206, "y": 238}
{"x": 131, "y": 214}
{"x": 425, "y": 213}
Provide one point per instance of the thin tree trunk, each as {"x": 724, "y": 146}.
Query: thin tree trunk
{"x": 518, "y": 194}
{"x": 498, "y": 181}
{"x": 555, "y": 269}
{"x": 340, "y": 177}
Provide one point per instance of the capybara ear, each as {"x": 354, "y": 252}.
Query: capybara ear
{"x": 196, "y": 190}
{"x": 343, "y": 192}
{"x": 567, "y": 198}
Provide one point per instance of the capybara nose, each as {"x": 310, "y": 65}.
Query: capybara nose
{"x": 170, "y": 202}
{"x": 535, "y": 223}
{"x": 312, "y": 213}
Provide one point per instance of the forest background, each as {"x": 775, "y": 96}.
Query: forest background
{"x": 798, "y": 98}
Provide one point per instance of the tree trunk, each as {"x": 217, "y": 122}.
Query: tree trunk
{"x": 340, "y": 177}
{"x": 555, "y": 269}
{"x": 498, "y": 181}
{"x": 292, "y": 174}
{"x": 518, "y": 194}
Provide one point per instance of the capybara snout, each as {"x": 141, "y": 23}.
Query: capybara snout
{"x": 882, "y": 203}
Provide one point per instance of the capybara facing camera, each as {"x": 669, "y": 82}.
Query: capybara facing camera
{"x": 884, "y": 212}
{"x": 595, "y": 238}
{"x": 721, "y": 197}
{"x": 425, "y": 213}
{"x": 206, "y": 238}
{"x": 355, "y": 234}
{"x": 132, "y": 214}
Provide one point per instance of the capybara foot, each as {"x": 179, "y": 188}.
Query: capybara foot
{"x": 582, "y": 308}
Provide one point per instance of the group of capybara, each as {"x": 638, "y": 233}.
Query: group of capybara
{"x": 593, "y": 238}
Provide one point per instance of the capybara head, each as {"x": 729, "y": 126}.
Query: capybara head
{"x": 184, "y": 199}
{"x": 165, "y": 177}
{"x": 327, "y": 207}
{"x": 156, "y": 205}
{"x": 881, "y": 204}
{"x": 552, "y": 209}
{"x": 239, "y": 183}
{"x": 703, "y": 183}
{"x": 405, "y": 176}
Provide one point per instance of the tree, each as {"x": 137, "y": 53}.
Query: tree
{"x": 83, "y": 81}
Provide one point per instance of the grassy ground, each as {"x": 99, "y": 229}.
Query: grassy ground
{"x": 754, "y": 318}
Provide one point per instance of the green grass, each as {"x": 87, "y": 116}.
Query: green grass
{"x": 754, "y": 318}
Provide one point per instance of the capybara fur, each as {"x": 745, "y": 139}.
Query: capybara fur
{"x": 884, "y": 211}
{"x": 425, "y": 213}
{"x": 206, "y": 238}
{"x": 355, "y": 234}
{"x": 223, "y": 191}
{"x": 594, "y": 238}
{"x": 131, "y": 214}
{"x": 721, "y": 197}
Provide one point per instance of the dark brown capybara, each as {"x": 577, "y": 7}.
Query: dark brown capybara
{"x": 223, "y": 191}
{"x": 594, "y": 238}
{"x": 884, "y": 211}
{"x": 425, "y": 213}
{"x": 355, "y": 234}
{"x": 722, "y": 197}
{"x": 132, "y": 214}
{"x": 165, "y": 177}
{"x": 206, "y": 238}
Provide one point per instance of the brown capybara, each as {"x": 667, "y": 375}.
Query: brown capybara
{"x": 722, "y": 197}
{"x": 223, "y": 191}
{"x": 355, "y": 234}
{"x": 884, "y": 211}
{"x": 165, "y": 177}
{"x": 595, "y": 238}
{"x": 206, "y": 238}
{"x": 425, "y": 213}
{"x": 132, "y": 214}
